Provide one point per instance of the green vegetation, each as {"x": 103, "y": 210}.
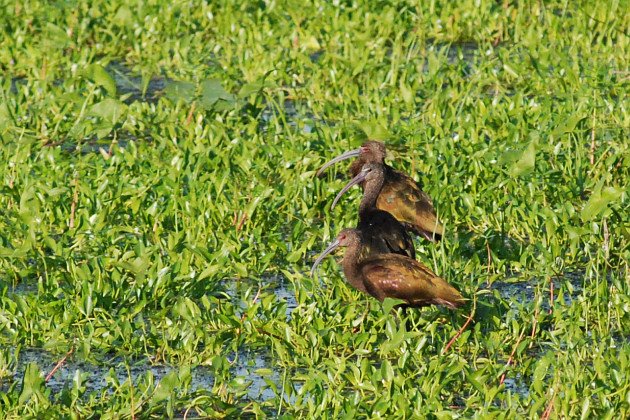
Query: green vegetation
{"x": 158, "y": 206}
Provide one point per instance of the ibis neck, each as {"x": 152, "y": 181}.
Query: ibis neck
{"x": 350, "y": 264}
{"x": 370, "y": 194}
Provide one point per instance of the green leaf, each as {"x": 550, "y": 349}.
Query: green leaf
{"x": 509, "y": 70}
{"x": 599, "y": 201}
{"x": 180, "y": 91}
{"x": 539, "y": 375}
{"x": 101, "y": 77}
{"x": 387, "y": 371}
{"x": 109, "y": 110}
{"x": 586, "y": 404}
{"x": 54, "y": 37}
{"x": 389, "y": 303}
{"x": 397, "y": 339}
{"x": 526, "y": 161}
{"x": 567, "y": 125}
{"x": 32, "y": 384}
{"x": 249, "y": 89}
{"x": 166, "y": 386}
{"x": 476, "y": 379}
{"x": 6, "y": 120}
{"x": 405, "y": 92}
{"x": 124, "y": 16}
{"x": 211, "y": 92}
{"x": 375, "y": 131}
{"x": 295, "y": 255}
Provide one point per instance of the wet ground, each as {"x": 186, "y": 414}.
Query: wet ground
{"x": 133, "y": 87}
{"x": 255, "y": 368}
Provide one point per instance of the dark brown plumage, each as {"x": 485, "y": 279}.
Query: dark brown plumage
{"x": 400, "y": 195}
{"x": 391, "y": 275}
{"x": 381, "y": 232}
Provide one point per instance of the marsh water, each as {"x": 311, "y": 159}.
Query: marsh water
{"x": 256, "y": 370}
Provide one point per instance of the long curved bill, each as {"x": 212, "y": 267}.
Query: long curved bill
{"x": 323, "y": 255}
{"x": 354, "y": 181}
{"x": 347, "y": 155}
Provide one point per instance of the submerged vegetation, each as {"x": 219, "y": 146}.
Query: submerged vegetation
{"x": 159, "y": 210}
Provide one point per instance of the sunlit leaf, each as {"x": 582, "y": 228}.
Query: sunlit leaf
{"x": 179, "y": 90}
{"x": 166, "y": 386}
{"x": 101, "y": 77}
{"x": 526, "y": 161}
{"x": 32, "y": 384}
{"x": 212, "y": 91}
{"x": 110, "y": 110}
{"x": 567, "y": 125}
{"x": 599, "y": 201}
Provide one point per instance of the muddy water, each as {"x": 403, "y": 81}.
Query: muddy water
{"x": 256, "y": 368}
{"x": 247, "y": 365}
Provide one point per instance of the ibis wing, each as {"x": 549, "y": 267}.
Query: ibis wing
{"x": 383, "y": 234}
{"x": 401, "y": 197}
{"x": 400, "y": 277}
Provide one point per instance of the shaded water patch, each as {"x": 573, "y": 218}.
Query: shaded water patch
{"x": 103, "y": 146}
{"x": 525, "y": 290}
{"x": 291, "y": 113}
{"x": 255, "y": 370}
{"x": 21, "y": 288}
{"x": 517, "y": 386}
{"x": 138, "y": 89}
{"x": 246, "y": 290}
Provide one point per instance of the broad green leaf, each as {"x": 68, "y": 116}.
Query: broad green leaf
{"x": 54, "y": 37}
{"x": 475, "y": 378}
{"x": 110, "y": 110}
{"x": 509, "y": 156}
{"x": 295, "y": 255}
{"x": 124, "y": 16}
{"x": 526, "y": 161}
{"x": 375, "y": 131}
{"x": 263, "y": 372}
{"x": 211, "y": 92}
{"x": 101, "y": 77}
{"x": 249, "y": 89}
{"x": 540, "y": 372}
{"x": 387, "y": 371}
{"x": 178, "y": 90}
{"x": 310, "y": 43}
{"x": 6, "y": 119}
{"x": 32, "y": 384}
{"x": 567, "y": 125}
{"x": 389, "y": 303}
{"x": 405, "y": 92}
{"x": 166, "y": 386}
{"x": 599, "y": 201}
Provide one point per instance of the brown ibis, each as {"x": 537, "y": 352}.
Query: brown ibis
{"x": 391, "y": 275}
{"x": 381, "y": 232}
{"x": 400, "y": 196}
